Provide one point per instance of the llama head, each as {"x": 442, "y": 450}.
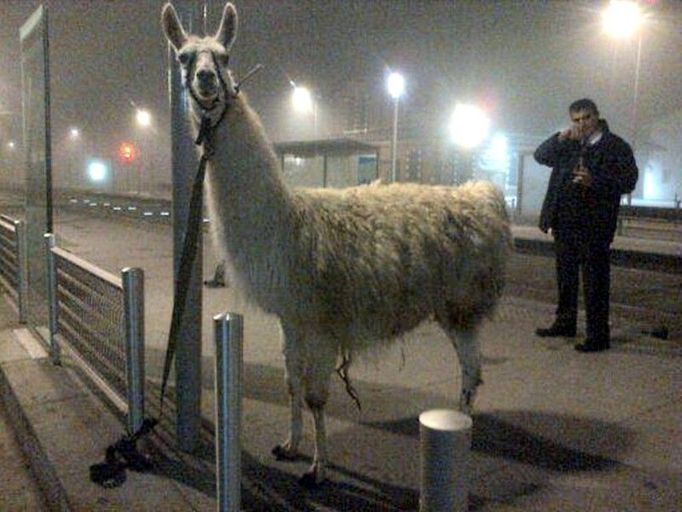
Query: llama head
{"x": 204, "y": 60}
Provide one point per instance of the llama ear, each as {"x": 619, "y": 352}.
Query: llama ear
{"x": 172, "y": 27}
{"x": 228, "y": 26}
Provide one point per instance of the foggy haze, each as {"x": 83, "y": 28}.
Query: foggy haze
{"x": 522, "y": 61}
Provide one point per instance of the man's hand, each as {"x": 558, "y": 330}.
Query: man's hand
{"x": 571, "y": 133}
{"x": 582, "y": 176}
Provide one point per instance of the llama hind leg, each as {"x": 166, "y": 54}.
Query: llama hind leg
{"x": 293, "y": 360}
{"x": 469, "y": 354}
{"x": 318, "y": 377}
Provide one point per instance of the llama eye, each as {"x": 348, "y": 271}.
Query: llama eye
{"x": 183, "y": 58}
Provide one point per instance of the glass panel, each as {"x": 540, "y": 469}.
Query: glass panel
{"x": 36, "y": 107}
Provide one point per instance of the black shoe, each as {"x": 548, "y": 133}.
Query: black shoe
{"x": 592, "y": 346}
{"x": 556, "y": 330}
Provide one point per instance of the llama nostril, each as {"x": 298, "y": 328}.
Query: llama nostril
{"x": 205, "y": 75}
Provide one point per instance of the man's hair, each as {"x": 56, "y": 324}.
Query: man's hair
{"x": 584, "y": 104}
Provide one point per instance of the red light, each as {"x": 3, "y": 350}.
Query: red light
{"x": 126, "y": 152}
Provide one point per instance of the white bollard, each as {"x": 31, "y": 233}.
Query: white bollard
{"x": 445, "y": 439}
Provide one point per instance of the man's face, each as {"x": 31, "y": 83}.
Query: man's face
{"x": 585, "y": 122}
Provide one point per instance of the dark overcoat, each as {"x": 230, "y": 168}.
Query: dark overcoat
{"x": 614, "y": 173}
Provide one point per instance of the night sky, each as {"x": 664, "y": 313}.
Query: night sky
{"x": 523, "y": 61}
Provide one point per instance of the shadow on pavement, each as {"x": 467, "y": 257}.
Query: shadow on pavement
{"x": 540, "y": 441}
{"x": 499, "y": 434}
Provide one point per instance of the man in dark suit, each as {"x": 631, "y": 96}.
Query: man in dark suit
{"x": 591, "y": 169}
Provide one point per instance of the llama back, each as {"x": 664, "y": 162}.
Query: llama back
{"x": 380, "y": 260}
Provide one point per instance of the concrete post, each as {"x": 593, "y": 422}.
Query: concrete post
{"x": 445, "y": 439}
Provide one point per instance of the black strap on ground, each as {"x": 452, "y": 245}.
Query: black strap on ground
{"x": 123, "y": 454}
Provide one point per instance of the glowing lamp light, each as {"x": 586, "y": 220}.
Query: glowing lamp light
{"x": 395, "y": 85}
{"x": 622, "y": 18}
{"x": 74, "y": 133}
{"x": 11, "y": 144}
{"x": 126, "y": 152}
{"x": 302, "y": 100}
{"x": 98, "y": 171}
{"x": 143, "y": 117}
{"x": 469, "y": 126}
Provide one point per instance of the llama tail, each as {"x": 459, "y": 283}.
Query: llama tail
{"x": 342, "y": 371}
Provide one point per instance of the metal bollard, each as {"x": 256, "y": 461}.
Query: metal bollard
{"x": 55, "y": 351}
{"x": 445, "y": 439}
{"x": 22, "y": 270}
{"x": 228, "y": 331}
{"x": 133, "y": 305}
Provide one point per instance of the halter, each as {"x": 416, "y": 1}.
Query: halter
{"x": 205, "y": 126}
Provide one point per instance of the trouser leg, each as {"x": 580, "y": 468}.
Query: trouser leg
{"x": 567, "y": 275}
{"x": 596, "y": 275}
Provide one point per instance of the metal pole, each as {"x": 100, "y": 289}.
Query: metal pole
{"x": 22, "y": 270}
{"x": 183, "y": 157}
{"x": 520, "y": 165}
{"x": 445, "y": 439}
{"x": 52, "y": 297}
{"x": 635, "y": 101}
{"x": 394, "y": 141}
{"x": 133, "y": 303}
{"x": 228, "y": 331}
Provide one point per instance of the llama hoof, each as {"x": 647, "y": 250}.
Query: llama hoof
{"x": 282, "y": 453}
{"x": 310, "y": 480}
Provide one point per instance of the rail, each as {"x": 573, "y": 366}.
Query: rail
{"x": 99, "y": 318}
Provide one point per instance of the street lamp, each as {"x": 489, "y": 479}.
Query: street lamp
{"x": 469, "y": 126}
{"x": 143, "y": 117}
{"x": 11, "y": 144}
{"x": 74, "y": 135}
{"x": 622, "y": 19}
{"x": 396, "y": 87}
{"x": 303, "y": 103}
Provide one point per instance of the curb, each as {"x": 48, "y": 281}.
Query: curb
{"x": 628, "y": 258}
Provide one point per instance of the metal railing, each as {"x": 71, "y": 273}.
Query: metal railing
{"x": 100, "y": 318}
{"x": 12, "y": 261}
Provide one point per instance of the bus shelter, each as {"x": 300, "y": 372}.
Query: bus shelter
{"x": 333, "y": 163}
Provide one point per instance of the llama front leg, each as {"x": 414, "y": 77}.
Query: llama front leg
{"x": 469, "y": 354}
{"x": 293, "y": 361}
{"x": 318, "y": 377}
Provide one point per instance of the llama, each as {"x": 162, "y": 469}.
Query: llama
{"x": 346, "y": 271}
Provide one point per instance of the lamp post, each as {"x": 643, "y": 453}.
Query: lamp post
{"x": 469, "y": 126}
{"x": 396, "y": 87}
{"x": 621, "y": 20}
{"x": 303, "y": 103}
{"x": 74, "y": 136}
{"x": 143, "y": 118}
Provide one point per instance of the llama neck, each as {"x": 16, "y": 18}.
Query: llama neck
{"x": 249, "y": 203}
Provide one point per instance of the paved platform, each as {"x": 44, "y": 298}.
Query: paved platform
{"x": 554, "y": 429}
